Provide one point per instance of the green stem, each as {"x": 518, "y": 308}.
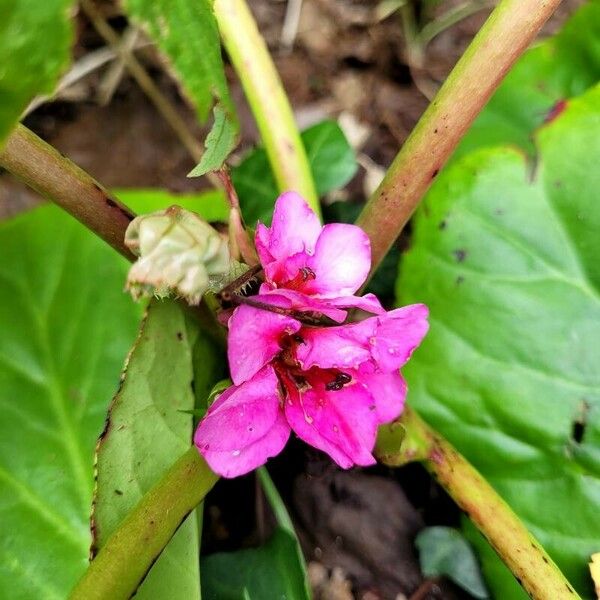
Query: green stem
{"x": 130, "y": 552}
{"x": 410, "y": 439}
{"x": 55, "y": 177}
{"x": 504, "y": 37}
{"x": 267, "y": 99}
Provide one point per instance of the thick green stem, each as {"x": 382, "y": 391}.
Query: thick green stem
{"x": 55, "y": 177}
{"x": 410, "y": 439}
{"x": 267, "y": 99}
{"x": 128, "y": 554}
{"x": 506, "y": 34}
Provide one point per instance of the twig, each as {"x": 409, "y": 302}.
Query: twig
{"x": 410, "y": 439}
{"x": 114, "y": 73}
{"x": 427, "y": 587}
{"x": 289, "y": 30}
{"x": 166, "y": 109}
{"x": 84, "y": 66}
{"x": 267, "y": 99}
{"x": 503, "y": 38}
{"x": 415, "y": 51}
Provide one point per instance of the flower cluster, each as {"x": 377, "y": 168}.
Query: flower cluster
{"x": 333, "y": 384}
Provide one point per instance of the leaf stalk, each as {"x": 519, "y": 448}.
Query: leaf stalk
{"x": 123, "y": 562}
{"x": 509, "y": 30}
{"x": 60, "y": 180}
{"x": 267, "y": 99}
{"x": 410, "y": 438}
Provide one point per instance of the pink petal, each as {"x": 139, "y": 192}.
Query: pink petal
{"x": 341, "y": 261}
{"x": 369, "y": 303}
{"x": 254, "y": 337}
{"x": 389, "y": 392}
{"x": 244, "y": 427}
{"x": 387, "y": 341}
{"x": 399, "y": 332}
{"x": 242, "y": 414}
{"x": 262, "y": 239}
{"x": 233, "y": 463}
{"x": 343, "y": 347}
{"x": 342, "y": 423}
{"x": 295, "y": 228}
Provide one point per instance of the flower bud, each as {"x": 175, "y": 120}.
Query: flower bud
{"x": 178, "y": 252}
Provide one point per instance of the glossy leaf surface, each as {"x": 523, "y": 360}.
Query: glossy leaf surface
{"x": 66, "y": 327}
{"x": 506, "y": 258}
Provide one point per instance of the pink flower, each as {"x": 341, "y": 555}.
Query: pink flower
{"x": 333, "y": 386}
{"x": 314, "y": 267}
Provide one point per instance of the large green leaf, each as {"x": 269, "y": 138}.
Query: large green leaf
{"x": 148, "y": 429}
{"x": 560, "y": 67}
{"x": 187, "y": 34}
{"x": 508, "y": 260}
{"x": 35, "y": 38}
{"x": 331, "y": 159}
{"x": 274, "y": 570}
{"x": 65, "y": 328}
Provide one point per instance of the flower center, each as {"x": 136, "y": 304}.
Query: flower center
{"x": 294, "y": 379}
{"x": 297, "y": 283}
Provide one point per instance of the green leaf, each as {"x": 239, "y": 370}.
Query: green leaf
{"x": 219, "y": 143}
{"x": 330, "y": 157}
{"x": 146, "y": 432}
{"x": 285, "y": 523}
{"x": 444, "y": 551}
{"x": 275, "y": 570}
{"x": 270, "y": 571}
{"x": 211, "y": 205}
{"x": 187, "y": 34}
{"x": 35, "y": 38}
{"x": 66, "y": 326}
{"x": 561, "y": 67}
{"x": 281, "y": 514}
{"x": 507, "y": 260}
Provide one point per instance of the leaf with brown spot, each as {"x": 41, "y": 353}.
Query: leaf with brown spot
{"x": 509, "y": 371}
